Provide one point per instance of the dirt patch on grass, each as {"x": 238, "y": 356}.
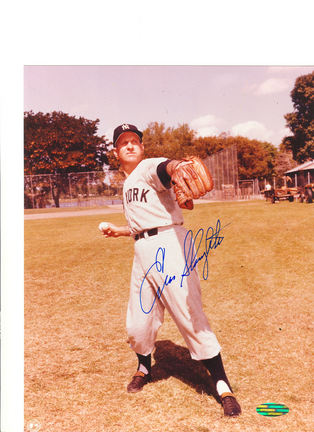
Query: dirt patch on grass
{"x": 116, "y": 208}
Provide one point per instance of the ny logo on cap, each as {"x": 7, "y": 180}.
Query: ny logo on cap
{"x": 125, "y": 126}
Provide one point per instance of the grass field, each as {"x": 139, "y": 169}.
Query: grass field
{"x": 258, "y": 297}
{"x": 59, "y": 210}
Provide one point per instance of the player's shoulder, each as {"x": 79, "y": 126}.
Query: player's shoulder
{"x": 150, "y": 163}
{"x": 153, "y": 161}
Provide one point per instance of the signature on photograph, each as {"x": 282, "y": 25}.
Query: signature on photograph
{"x": 210, "y": 239}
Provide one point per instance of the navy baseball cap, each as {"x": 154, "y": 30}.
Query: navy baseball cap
{"x": 125, "y": 127}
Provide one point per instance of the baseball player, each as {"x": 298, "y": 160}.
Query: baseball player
{"x": 155, "y": 222}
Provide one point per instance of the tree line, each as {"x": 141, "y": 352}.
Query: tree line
{"x": 58, "y": 143}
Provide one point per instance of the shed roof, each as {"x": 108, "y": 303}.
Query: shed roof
{"x": 309, "y": 165}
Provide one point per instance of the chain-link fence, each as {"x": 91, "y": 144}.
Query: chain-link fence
{"x": 84, "y": 189}
{"x": 98, "y": 188}
{"x": 249, "y": 189}
{"x": 223, "y": 166}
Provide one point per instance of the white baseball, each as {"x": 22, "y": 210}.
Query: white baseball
{"x": 103, "y": 226}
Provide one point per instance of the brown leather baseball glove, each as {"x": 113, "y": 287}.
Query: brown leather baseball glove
{"x": 191, "y": 179}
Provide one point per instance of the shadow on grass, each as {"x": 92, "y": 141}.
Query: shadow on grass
{"x": 173, "y": 360}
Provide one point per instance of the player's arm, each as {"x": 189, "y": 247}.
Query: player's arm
{"x": 165, "y": 171}
{"x": 171, "y": 166}
{"x": 111, "y": 230}
{"x": 190, "y": 177}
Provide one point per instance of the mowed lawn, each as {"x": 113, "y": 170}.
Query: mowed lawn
{"x": 258, "y": 297}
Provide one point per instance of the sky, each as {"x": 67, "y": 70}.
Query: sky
{"x": 241, "y": 100}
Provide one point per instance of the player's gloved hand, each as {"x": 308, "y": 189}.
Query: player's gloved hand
{"x": 191, "y": 179}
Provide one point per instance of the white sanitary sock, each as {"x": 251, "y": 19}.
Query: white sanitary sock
{"x": 143, "y": 369}
{"x": 222, "y": 387}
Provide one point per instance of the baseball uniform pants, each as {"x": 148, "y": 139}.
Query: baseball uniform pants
{"x": 159, "y": 262}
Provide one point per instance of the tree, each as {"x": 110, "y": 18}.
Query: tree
{"x": 271, "y": 154}
{"x": 57, "y": 143}
{"x": 206, "y": 146}
{"x": 112, "y": 160}
{"x": 255, "y": 158}
{"x": 284, "y": 162}
{"x": 156, "y": 138}
{"x": 301, "y": 121}
{"x": 170, "y": 142}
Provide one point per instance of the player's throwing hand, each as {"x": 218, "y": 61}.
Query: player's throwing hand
{"x": 111, "y": 230}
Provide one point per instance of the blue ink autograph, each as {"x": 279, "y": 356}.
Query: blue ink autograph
{"x": 191, "y": 248}
{"x": 160, "y": 266}
{"x": 212, "y": 241}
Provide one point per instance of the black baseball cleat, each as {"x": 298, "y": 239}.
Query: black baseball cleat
{"x": 230, "y": 405}
{"x": 138, "y": 382}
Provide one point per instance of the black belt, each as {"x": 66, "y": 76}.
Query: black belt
{"x": 151, "y": 232}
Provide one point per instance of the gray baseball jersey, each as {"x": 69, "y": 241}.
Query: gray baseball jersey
{"x": 147, "y": 202}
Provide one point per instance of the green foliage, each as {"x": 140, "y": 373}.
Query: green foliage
{"x": 58, "y": 143}
{"x": 206, "y": 146}
{"x": 271, "y": 152}
{"x": 283, "y": 163}
{"x": 172, "y": 143}
{"x": 301, "y": 121}
{"x": 255, "y": 158}
{"x": 112, "y": 160}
